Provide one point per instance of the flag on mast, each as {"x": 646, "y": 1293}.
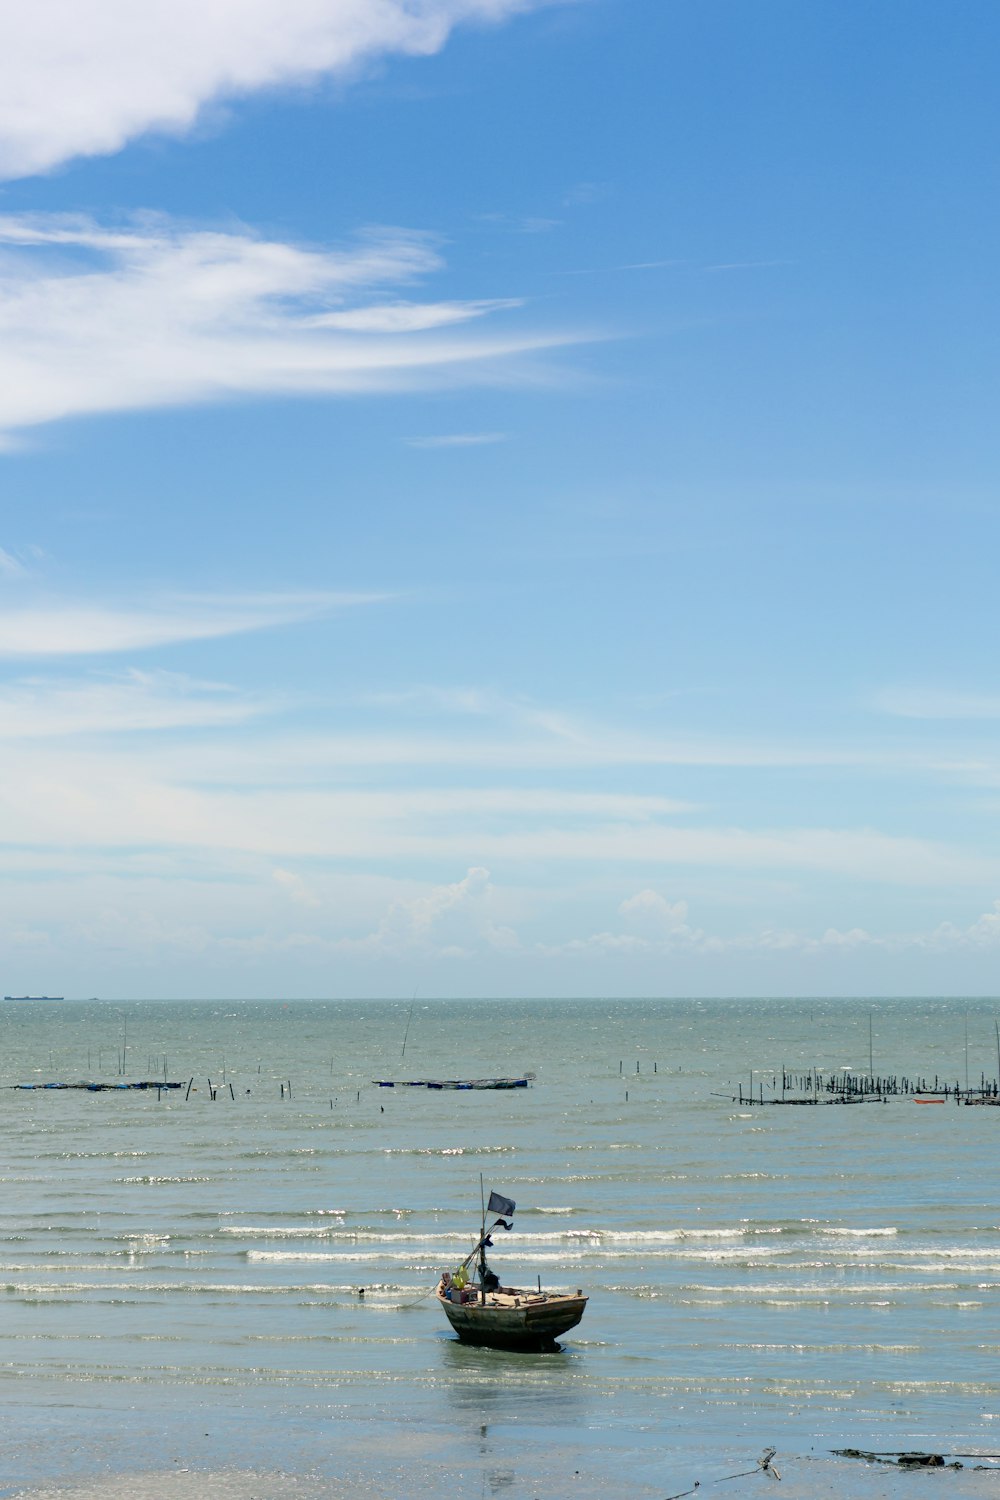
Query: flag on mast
{"x": 498, "y": 1204}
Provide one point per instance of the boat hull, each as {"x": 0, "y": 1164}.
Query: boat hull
{"x": 514, "y": 1319}
{"x": 451, "y": 1083}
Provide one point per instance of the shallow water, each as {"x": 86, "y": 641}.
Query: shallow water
{"x": 181, "y": 1273}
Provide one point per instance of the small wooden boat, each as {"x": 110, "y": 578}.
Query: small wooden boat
{"x": 510, "y": 1318}
{"x": 481, "y": 1311}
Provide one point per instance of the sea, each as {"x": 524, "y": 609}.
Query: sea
{"x": 222, "y": 1291}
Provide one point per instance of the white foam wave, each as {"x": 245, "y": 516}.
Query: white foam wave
{"x": 445, "y": 1150}
{"x": 926, "y": 1252}
{"x": 151, "y": 1181}
{"x": 838, "y": 1289}
{"x": 287, "y": 1231}
{"x": 406, "y": 1258}
{"x": 871, "y": 1234}
{"x": 135, "y": 1289}
{"x": 573, "y": 1237}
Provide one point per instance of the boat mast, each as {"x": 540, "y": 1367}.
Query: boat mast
{"x": 482, "y": 1242}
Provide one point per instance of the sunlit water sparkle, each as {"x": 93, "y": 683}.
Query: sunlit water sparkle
{"x": 808, "y": 1278}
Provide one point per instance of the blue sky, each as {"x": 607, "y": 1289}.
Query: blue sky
{"x": 499, "y": 498}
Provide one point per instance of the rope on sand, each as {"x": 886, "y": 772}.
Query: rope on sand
{"x": 764, "y": 1465}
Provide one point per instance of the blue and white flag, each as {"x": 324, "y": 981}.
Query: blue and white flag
{"x": 498, "y": 1204}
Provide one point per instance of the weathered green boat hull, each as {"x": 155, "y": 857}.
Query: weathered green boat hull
{"x": 520, "y": 1320}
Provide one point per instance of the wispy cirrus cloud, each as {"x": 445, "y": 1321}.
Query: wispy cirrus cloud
{"x": 150, "y": 313}
{"x": 84, "y": 79}
{"x": 411, "y": 317}
{"x": 64, "y": 628}
{"x": 458, "y": 440}
{"x": 120, "y": 703}
{"x": 284, "y": 792}
{"x": 171, "y": 799}
{"x": 748, "y": 265}
{"x": 638, "y": 265}
{"x": 468, "y": 731}
{"x": 582, "y": 194}
{"x": 518, "y": 223}
{"x": 938, "y": 703}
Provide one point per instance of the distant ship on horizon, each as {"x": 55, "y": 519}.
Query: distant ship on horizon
{"x": 34, "y": 997}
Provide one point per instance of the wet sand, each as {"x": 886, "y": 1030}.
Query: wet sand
{"x": 802, "y": 1479}
{"x": 77, "y": 1454}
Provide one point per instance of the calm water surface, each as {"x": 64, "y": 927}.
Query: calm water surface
{"x": 809, "y": 1278}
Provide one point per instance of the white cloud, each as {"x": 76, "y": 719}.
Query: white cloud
{"x": 96, "y": 319}
{"x": 150, "y": 908}
{"x": 984, "y": 932}
{"x": 649, "y": 912}
{"x": 35, "y": 708}
{"x": 655, "y": 927}
{"x": 295, "y": 887}
{"x": 62, "y": 629}
{"x": 855, "y": 937}
{"x": 452, "y": 919}
{"x": 946, "y": 937}
{"x": 81, "y": 79}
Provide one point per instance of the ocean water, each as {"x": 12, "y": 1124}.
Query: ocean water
{"x": 179, "y": 1276}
